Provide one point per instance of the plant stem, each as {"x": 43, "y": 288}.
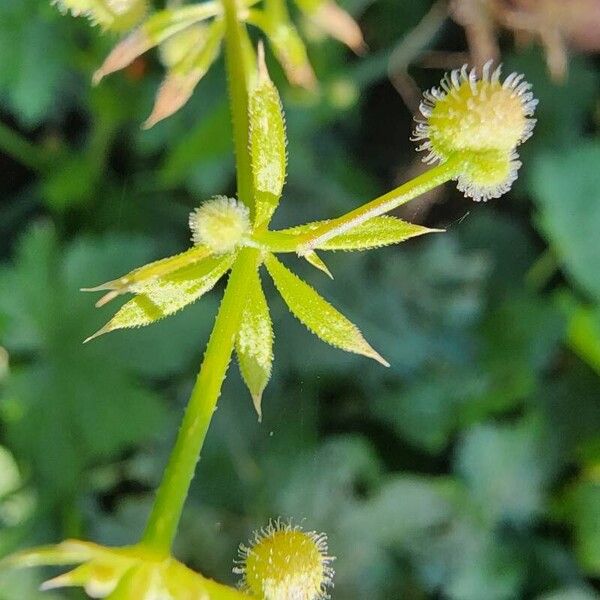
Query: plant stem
{"x": 168, "y": 506}
{"x": 542, "y": 270}
{"x": 172, "y": 493}
{"x": 401, "y": 195}
{"x": 237, "y": 75}
{"x": 22, "y": 150}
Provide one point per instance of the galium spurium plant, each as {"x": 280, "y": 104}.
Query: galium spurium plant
{"x": 470, "y": 130}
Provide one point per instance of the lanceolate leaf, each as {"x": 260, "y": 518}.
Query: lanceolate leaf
{"x": 317, "y": 314}
{"x": 254, "y": 342}
{"x": 138, "y": 278}
{"x": 183, "y": 77}
{"x": 377, "y": 232}
{"x": 286, "y": 42}
{"x": 158, "y": 28}
{"x": 334, "y": 20}
{"x": 164, "y": 295}
{"x": 309, "y": 6}
{"x": 316, "y": 261}
{"x": 267, "y": 143}
{"x": 109, "y": 15}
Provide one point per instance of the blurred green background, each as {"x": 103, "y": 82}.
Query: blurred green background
{"x": 469, "y": 470}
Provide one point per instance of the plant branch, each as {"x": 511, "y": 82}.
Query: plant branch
{"x": 237, "y": 76}
{"x": 397, "y": 197}
{"x": 172, "y": 493}
{"x": 22, "y": 150}
{"x": 166, "y": 512}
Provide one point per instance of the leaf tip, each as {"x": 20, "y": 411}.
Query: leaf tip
{"x": 107, "y": 298}
{"x": 263, "y": 72}
{"x": 98, "y": 76}
{"x": 257, "y": 401}
{"x": 52, "y": 584}
{"x": 148, "y": 123}
{"x": 338, "y": 23}
{"x": 98, "y": 333}
{"x": 376, "y": 356}
{"x": 314, "y": 259}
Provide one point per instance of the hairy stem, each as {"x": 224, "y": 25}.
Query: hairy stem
{"x": 237, "y": 75}
{"x": 172, "y": 493}
{"x": 166, "y": 512}
{"x": 401, "y": 195}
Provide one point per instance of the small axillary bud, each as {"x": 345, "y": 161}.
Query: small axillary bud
{"x": 221, "y": 224}
{"x": 481, "y": 121}
{"x": 284, "y": 562}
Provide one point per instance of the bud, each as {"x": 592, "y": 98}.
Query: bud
{"x": 220, "y": 224}
{"x": 481, "y": 122}
{"x": 284, "y": 562}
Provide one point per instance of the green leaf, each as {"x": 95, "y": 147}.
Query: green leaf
{"x": 583, "y": 511}
{"x": 108, "y": 17}
{"x": 10, "y": 477}
{"x": 206, "y": 143}
{"x": 68, "y": 408}
{"x": 374, "y": 233}
{"x": 286, "y": 43}
{"x": 328, "y": 16}
{"x": 37, "y": 49}
{"x": 309, "y": 6}
{"x": 425, "y": 503}
{"x": 136, "y": 280}
{"x": 317, "y": 314}
{"x": 138, "y": 582}
{"x": 164, "y": 295}
{"x": 571, "y": 593}
{"x": 566, "y": 187}
{"x": 182, "y": 78}
{"x": 254, "y": 342}
{"x": 583, "y": 332}
{"x": 316, "y": 261}
{"x": 17, "y": 584}
{"x": 267, "y": 143}
{"x": 155, "y": 30}
{"x": 506, "y": 469}
{"x": 320, "y": 481}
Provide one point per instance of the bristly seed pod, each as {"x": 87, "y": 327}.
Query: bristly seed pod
{"x": 481, "y": 121}
{"x": 284, "y": 563}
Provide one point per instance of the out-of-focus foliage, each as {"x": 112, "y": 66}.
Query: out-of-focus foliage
{"x": 468, "y": 470}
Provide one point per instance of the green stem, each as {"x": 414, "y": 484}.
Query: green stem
{"x": 401, "y": 195}
{"x": 237, "y": 74}
{"x": 542, "y": 270}
{"x": 168, "y": 506}
{"x": 21, "y": 149}
{"x": 172, "y": 493}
